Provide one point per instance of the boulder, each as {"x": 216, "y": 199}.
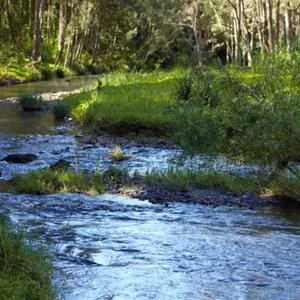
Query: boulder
{"x": 20, "y": 158}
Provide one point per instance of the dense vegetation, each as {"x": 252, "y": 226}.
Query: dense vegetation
{"x": 247, "y": 111}
{"x": 25, "y": 271}
{"x": 41, "y": 37}
{"x": 248, "y": 116}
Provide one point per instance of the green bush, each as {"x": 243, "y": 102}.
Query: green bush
{"x": 61, "y": 110}
{"x": 24, "y": 273}
{"x": 60, "y": 73}
{"x": 33, "y": 74}
{"x": 254, "y": 120}
{"x": 30, "y": 102}
{"x": 46, "y": 73}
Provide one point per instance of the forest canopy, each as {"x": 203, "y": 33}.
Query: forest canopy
{"x": 136, "y": 34}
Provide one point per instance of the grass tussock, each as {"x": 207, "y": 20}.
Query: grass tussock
{"x": 49, "y": 181}
{"x": 24, "y": 273}
{"x": 30, "y": 102}
{"x": 117, "y": 154}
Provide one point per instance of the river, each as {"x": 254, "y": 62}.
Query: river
{"x": 111, "y": 247}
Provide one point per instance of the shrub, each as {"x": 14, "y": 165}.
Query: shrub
{"x": 60, "y": 73}
{"x": 30, "y": 102}
{"x": 61, "y": 110}
{"x": 78, "y": 69}
{"x": 256, "y": 121}
{"x": 46, "y": 74}
{"x": 33, "y": 74}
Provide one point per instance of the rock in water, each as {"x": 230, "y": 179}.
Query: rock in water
{"x": 20, "y": 158}
{"x": 60, "y": 164}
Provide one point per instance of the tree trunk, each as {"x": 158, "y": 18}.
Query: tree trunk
{"x": 288, "y": 26}
{"x": 61, "y": 30}
{"x": 278, "y": 23}
{"x": 270, "y": 25}
{"x": 38, "y": 29}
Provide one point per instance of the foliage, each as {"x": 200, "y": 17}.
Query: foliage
{"x": 30, "y": 102}
{"x": 256, "y": 121}
{"x": 117, "y": 154}
{"x": 60, "y": 73}
{"x": 61, "y": 110}
{"x": 24, "y": 273}
{"x": 46, "y": 73}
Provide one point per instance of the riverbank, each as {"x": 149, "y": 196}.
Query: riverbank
{"x": 15, "y": 73}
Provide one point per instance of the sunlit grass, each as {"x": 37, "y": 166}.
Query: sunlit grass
{"x": 117, "y": 154}
{"x": 128, "y": 102}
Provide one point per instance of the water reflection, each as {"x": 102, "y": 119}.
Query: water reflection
{"x": 53, "y": 86}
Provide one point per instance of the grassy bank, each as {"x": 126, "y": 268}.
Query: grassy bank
{"x": 128, "y": 103}
{"x": 14, "y": 73}
{"x": 25, "y": 274}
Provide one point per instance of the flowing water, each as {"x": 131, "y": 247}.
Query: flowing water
{"x": 111, "y": 247}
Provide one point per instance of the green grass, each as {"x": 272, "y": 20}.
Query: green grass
{"x": 24, "y": 72}
{"x": 49, "y": 181}
{"x": 128, "y": 102}
{"x": 185, "y": 179}
{"x": 25, "y": 274}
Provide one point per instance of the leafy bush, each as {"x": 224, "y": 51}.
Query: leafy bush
{"x": 78, "y": 69}
{"x": 61, "y": 110}
{"x": 33, "y": 74}
{"x": 255, "y": 121}
{"x": 46, "y": 73}
{"x": 30, "y": 102}
{"x": 60, "y": 73}
{"x": 24, "y": 273}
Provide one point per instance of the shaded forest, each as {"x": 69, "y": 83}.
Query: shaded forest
{"x": 135, "y": 34}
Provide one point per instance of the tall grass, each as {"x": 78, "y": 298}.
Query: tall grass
{"x": 25, "y": 274}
